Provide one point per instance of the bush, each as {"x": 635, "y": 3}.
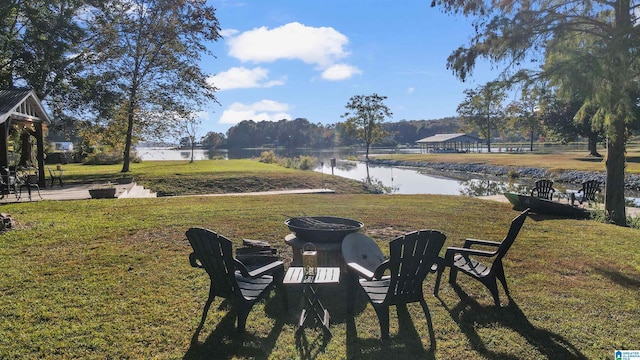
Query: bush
{"x": 57, "y": 158}
{"x": 268, "y": 157}
{"x": 306, "y": 163}
{"x": 108, "y": 158}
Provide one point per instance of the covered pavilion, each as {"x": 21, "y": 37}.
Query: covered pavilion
{"x": 21, "y": 109}
{"x": 459, "y": 142}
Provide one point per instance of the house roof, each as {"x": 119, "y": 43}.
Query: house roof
{"x": 22, "y": 104}
{"x": 442, "y": 138}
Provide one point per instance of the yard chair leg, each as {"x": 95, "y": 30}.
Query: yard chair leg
{"x": 383, "y": 317}
{"x": 436, "y": 287}
{"x": 207, "y": 305}
{"x": 453, "y": 274}
{"x": 493, "y": 288}
{"x": 427, "y": 314}
{"x": 243, "y": 314}
{"x": 502, "y": 278}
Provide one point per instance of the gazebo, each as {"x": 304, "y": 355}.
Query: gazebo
{"x": 21, "y": 107}
{"x": 459, "y": 142}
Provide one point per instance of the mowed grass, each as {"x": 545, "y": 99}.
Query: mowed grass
{"x": 100, "y": 279}
{"x": 555, "y": 161}
{"x": 169, "y": 178}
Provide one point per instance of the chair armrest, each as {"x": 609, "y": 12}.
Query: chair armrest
{"x": 269, "y": 268}
{"x": 194, "y": 261}
{"x": 361, "y": 270}
{"x": 469, "y": 242}
{"x": 381, "y": 269}
{"x": 451, "y": 251}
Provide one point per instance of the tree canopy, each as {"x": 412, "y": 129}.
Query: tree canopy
{"x": 364, "y": 117}
{"x": 523, "y": 33}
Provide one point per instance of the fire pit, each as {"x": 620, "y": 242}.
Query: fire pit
{"x": 325, "y": 232}
{"x": 322, "y": 228}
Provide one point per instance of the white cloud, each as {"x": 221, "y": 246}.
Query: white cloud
{"x": 340, "y": 72}
{"x": 411, "y": 90}
{"x": 243, "y": 78}
{"x": 228, "y": 32}
{"x": 321, "y": 46}
{"x": 267, "y": 110}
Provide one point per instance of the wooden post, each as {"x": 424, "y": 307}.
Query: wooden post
{"x": 4, "y": 149}
{"x": 42, "y": 180}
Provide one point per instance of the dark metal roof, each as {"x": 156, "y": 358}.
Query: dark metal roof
{"x": 443, "y": 138}
{"x": 11, "y": 99}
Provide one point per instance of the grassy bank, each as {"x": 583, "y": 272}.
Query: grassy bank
{"x": 569, "y": 160}
{"x": 111, "y": 279}
{"x": 169, "y": 178}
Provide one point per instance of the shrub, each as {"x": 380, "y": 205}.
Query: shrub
{"x": 268, "y": 157}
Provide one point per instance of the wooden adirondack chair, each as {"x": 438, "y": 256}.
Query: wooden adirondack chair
{"x": 589, "y": 190}
{"x": 543, "y": 189}
{"x": 460, "y": 259}
{"x": 229, "y": 277}
{"x": 411, "y": 258}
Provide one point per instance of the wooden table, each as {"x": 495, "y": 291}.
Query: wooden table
{"x": 312, "y": 309}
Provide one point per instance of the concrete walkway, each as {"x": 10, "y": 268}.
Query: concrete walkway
{"x": 81, "y": 191}
{"x": 76, "y": 192}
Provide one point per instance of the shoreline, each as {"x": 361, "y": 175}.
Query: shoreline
{"x": 632, "y": 181}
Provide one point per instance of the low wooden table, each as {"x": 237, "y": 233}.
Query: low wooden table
{"x": 312, "y": 308}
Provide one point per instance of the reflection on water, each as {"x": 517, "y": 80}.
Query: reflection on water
{"x": 412, "y": 181}
{"x": 483, "y": 187}
{"x": 389, "y": 179}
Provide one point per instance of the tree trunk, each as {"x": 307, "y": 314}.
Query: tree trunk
{"x": 531, "y": 142}
{"x": 193, "y": 145}
{"x": 127, "y": 144}
{"x": 614, "y": 188}
{"x": 593, "y": 144}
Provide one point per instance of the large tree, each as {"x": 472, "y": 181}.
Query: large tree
{"x": 40, "y": 43}
{"x": 150, "y": 52}
{"x": 514, "y": 32}
{"x": 481, "y": 110}
{"x": 364, "y": 117}
{"x": 525, "y": 114}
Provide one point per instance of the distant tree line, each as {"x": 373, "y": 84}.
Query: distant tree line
{"x": 301, "y": 133}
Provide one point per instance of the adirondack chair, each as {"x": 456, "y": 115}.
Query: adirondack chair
{"x": 55, "y": 175}
{"x": 543, "y": 189}
{"x": 589, "y": 190}
{"x": 460, "y": 259}
{"x": 411, "y": 258}
{"x": 229, "y": 277}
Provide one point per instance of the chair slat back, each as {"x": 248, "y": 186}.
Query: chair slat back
{"x": 411, "y": 258}
{"x": 589, "y": 189}
{"x": 514, "y": 230}
{"x": 543, "y": 189}
{"x": 214, "y": 252}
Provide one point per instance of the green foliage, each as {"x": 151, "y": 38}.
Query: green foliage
{"x": 482, "y": 111}
{"x": 364, "y": 117}
{"x": 301, "y": 163}
{"x": 590, "y": 49}
{"x": 166, "y": 41}
{"x": 268, "y": 157}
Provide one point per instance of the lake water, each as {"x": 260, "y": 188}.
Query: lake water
{"x": 397, "y": 180}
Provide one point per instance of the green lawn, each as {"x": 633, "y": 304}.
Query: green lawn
{"x": 100, "y": 279}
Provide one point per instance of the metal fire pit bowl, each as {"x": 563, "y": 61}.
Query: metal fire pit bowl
{"x": 321, "y": 229}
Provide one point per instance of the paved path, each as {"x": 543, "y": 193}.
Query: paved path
{"x": 81, "y": 191}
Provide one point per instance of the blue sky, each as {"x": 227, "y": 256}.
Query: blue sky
{"x": 287, "y": 59}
